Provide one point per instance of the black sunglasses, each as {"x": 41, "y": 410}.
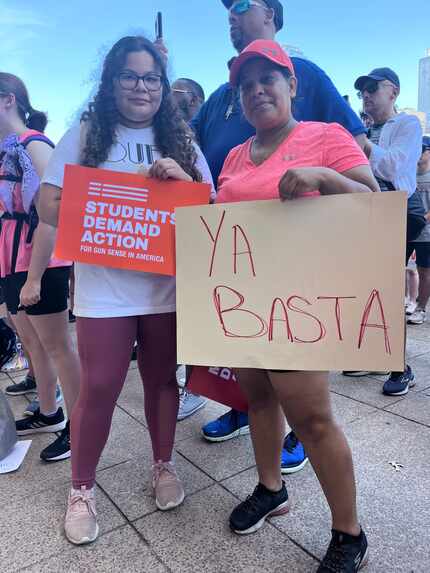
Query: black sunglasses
{"x": 369, "y": 87}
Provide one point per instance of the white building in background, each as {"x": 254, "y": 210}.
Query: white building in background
{"x": 424, "y": 87}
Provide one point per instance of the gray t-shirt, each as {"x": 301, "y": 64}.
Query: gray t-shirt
{"x": 423, "y": 188}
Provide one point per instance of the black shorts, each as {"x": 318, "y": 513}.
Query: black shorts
{"x": 54, "y": 291}
{"x": 422, "y": 251}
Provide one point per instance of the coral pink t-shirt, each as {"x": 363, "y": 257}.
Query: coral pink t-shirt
{"x": 310, "y": 144}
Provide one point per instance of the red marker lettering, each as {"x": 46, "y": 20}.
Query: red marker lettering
{"x": 322, "y": 329}
{"x": 214, "y": 239}
{"x": 374, "y": 295}
{"x": 262, "y": 327}
{"x": 284, "y": 319}
{"x": 248, "y": 251}
{"x": 337, "y": 310}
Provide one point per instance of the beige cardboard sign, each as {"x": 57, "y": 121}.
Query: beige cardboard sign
{"x": 309, "y": 284}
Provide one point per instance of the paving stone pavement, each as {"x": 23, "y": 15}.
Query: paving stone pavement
{"x": 394, "y": 505}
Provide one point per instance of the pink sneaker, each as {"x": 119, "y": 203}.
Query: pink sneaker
{"x": 168, "y": 489}
{"x": 80, "y": 524}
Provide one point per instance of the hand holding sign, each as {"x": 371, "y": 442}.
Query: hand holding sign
{"x": 300, "y": 182}
{"x": 168, "y": 168}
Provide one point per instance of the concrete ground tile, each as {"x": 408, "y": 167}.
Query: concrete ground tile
{"x": 192, "y": 426}
{"x": 202, "y": 541}
{"x": 17, "y": 404}
{"x": 34, "y": 531}
{"x": 34, "y": 476}
{"x": 392, "y": 507}
{"x": 18, "y": 375}
{"x": 120, "y": 551}
{"x": 419, "y": 331}
{"x": 219, "y": 460}
{"x": 347, "y": 410}
{"x": 364, "y": 389}
{"x": 131, "y": 397}
{"x": 129, "y": 484}
{"x": 131, "y": 401}
{"x": 415, "y": 347}
{"x": 128, "y": 440}
{"x": 416, "y": 407}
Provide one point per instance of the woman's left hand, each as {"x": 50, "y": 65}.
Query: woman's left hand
{"x": 298, "y": 182}
{"x": 167, "y": 168}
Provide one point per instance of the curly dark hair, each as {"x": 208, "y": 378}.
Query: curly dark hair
{"x": 173, "y": 137}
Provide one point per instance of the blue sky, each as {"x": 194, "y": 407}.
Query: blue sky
{"x": 57, "y": 47}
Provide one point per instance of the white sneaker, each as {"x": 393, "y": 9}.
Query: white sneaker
{"x": 80, "y": 524}
{"x": 168, "y": 489}
{"x": 410, "y": 308}
{"x": 418, "y": 317}
{"x": 189, "y": 404}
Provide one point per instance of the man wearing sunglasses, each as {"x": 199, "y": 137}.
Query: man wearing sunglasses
{"x": 220, "y": 125}
{"x": 421, "y": 245}
{"x": 189, "y": 97}
{"x": 393, "y": 147}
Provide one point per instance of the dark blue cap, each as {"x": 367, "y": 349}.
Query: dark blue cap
{"x": 379, "y": 75}
{"x": 274, "y": 4}
{"x": 426, "y": 143}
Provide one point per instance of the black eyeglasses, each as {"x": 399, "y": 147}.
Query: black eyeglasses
{"x": 128, "y": 80}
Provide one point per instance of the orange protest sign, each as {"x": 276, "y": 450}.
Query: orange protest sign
{"x": 122, "y": 220}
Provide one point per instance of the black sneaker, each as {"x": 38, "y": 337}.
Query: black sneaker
{"x": 345, "y": 554}
{"x": 39, "y": 423}
{"x": 399, "y": 383}
{"x": 24, "y": 387}
{"x": 249, "y": 515}
{"x": 59, "y": 449}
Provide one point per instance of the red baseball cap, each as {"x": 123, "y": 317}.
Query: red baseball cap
{"x": 268, "y": 49}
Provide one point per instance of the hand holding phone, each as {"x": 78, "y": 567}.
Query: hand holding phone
{"x": 158, "y": 26}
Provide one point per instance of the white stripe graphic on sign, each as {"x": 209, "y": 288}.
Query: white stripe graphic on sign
{"x": 93, "y": 193}
{"x": 123, "y": 197}
{"x": 125, "y": 187}
{"x": 126, "y": 193}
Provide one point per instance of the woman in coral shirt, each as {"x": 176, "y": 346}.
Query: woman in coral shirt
{"x": 290, "y": 159}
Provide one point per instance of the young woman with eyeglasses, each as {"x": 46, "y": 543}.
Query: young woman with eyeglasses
{"x": 42, "y": 327}
{"x": 132, "y": 121}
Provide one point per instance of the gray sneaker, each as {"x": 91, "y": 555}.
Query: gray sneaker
{"x": 189, "y": 404}
{"x": 418, "y": 317}
{"x": 35, "y": 405}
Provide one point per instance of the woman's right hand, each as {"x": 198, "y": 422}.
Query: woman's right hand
{"x": 30, "y": 293}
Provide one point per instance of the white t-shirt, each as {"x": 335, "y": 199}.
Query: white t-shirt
{"x": 102, "y": 292}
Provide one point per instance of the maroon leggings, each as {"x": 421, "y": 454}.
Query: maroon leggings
{"x": 105, "y": 346}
